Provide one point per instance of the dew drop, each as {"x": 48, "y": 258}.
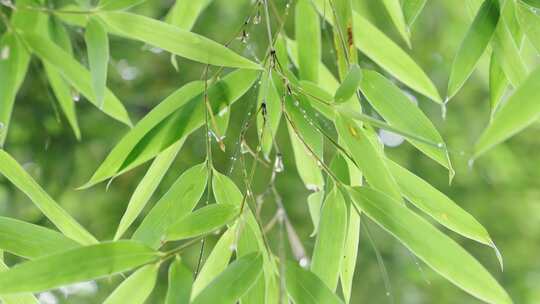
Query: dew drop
{"x": 296, "y": 103}
{"x": 312, "y": 187}
{"x": 470, "y": 163}
{"x": 75, "y": 95}
{"x": 440, "y": 145}
{"x": 278, "y": 164}
{"x": 4, "y": 54}
{"x": 304, "y": 262}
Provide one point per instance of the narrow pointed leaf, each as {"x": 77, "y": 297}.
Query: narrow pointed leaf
{"x": 519, "y": 111}
{"x": 75, "y": 265}
{"x": 202, "y": 221}
{"x": 10, "y": 69}
{"x": 432, "y": 246}
{"x": 75, "y": 74}
{"x": 506, "y": 50}
{"x": 328, "y": 251}
{"x": 175, "y": 40}
{"x": 304, "y": 287}
{"x": 348, "y": 266}
{"x": 393, "y": 7}
{"x": 349, "y": 85}
{"x": 216, "y": 262}
{"x": 308, "y": 39}
{"x": 97, "y": 45}
{"x": 180, "y": 283}
{"x": 530, "y": 24}
{"x": 179, "y": 200}
{"x": 315, "y": 201}
{"x": 473, "y": 45}
{"x": 412, "y": 9}
{"x": 147, "y": 187}
{"x": 56, "y": 214}
{"x": 183, "y": 14}
{"x": 25, "y": 298}
{"x": 533, "y": 3}
{"x": 136, "y": 288}
{"x": 114, "y": 5}
{"x": 31, "y": 241}
{"x": 396, "y": 108}
{"x": 234, "y": 282}
{"x": 270, "y": 119}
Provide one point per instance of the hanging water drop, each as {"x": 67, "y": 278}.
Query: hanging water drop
{"x": 278, "y": 164}
{"x": 443, "y": 108}
{"x": 75, "y": 95}
{"x": 470, "y": 163}
{"x": 304, "y": 262}
{"x": 296, "y": 103}
{"x": 4, "y": 54}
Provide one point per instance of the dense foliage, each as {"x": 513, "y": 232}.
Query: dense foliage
{"x": 239, "y": 103}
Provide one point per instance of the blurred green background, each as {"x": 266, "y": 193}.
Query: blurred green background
{"x": 502, "y": 189}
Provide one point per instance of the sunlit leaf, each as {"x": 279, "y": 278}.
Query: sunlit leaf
{"x": 75, "y": 74}
{"x": 328, "y": 250}
{"x": 180, "y": 283}
{"x": 114, "y": 5}
{"x": 232, "y": 283}
{"x": 202, "y": 221}
{"x": 412, "y": 9}
{"x": 136, "y": 288}
{"x": 31, "y": 241}
{"x": 436, "y": 249}
{"x": 269, "y": 119}
{"x": 507, "y": 52}
{"x": 348, "y": 264}
{"x": 530, "y": 24}
{"x": 304, "y": 287}
{"x": 308, "y": 39}
{"x": 473, "y": 45}
{"x": 183, "y": 14}
{"x": 175, "y": 40}
{"x": 75, "y": 265}
{"x": 349, "y": 85}
{"x": 97, "y": 45}
{"x": 393, "y": 7}
{"x": 520, "y": 110}
{"x": 9, "y": 71}
{"x": 25, "y": 298}
{"x": 56, "y": 214}
{"x": 178, "y": 201}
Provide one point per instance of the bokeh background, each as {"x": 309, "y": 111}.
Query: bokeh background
{"x": 501, "y": 189}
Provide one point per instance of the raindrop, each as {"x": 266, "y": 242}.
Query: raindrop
{"x": 304, "y": 262}
{"x": 296, "y": 103}
{"x": 470, "y": 163}
{"x": 4, "y": 54}
{"x": 440, "y": 145}
{"x": 278, "y": 164}
{"x": 312, "y": 187}
{"x": 75, "y": 95}
{"x": 233, "y": 247}
{"x": 223, "y": 111}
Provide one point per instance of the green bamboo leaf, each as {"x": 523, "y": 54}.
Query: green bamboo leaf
{"x": 368, "y": 155}
{"x": 304, "y": 287}
{"x": 75, "y": 74}
{"x": 315, "y": 201}
{"x": 530, "y": 24}
{"x": 349, "y": 85}
{"x": 31, "y": 241}
{"x": 136, "y": 288}
{"x": 97, "y": 44}
{"x": 436, "y": 249}
{"x": 506, "y": 50}
{"x": 379, "y": 48}
{"x": 393, "y": 7}
{"x": 202, "y": 221}
{"x": 179, "y": 200}
{"x": 308, "y": 39}
{"x": 473, "y": 45}
{"x": 58, "y": 216}
{"x": 270, "y": 119}
{"x": 497, "y": 83}
{"x": 180, "y": 281}
{"x": 329, "y": 247}
{"x": 114, "y": 5}
{"x": 437, "y": 205}
{"x": 147, "y": 187}
{"x": 533, "y": 3}
{"x": 216, "y": 262}
{"x": 183, "y": 14}
{"x": 519, "y": 111}
{"x": 175, "y": 40}
{"x": 348, "y": 264}
{"x": 10, "y": 68}
{"x": 173, "y": 119}
{"x": 234, "y": 282}
{"x": 396, "y": 108}
{"x": 412, "y": 9}
{"x": 25, "y": 298}
{"x": 225, "y": 190}
{"x": 75, "y": 265}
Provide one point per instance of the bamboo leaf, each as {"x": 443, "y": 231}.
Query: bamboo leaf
{"x": 75, "y": 265}
{"x": 393, "y": 7}
{"x": 10, "y": 69}
{"x": 304, "y": 287}
{"x": 75, "y": 74}
{"x": 173, "y": 119}
{"x": 179, "y": 200}
{"x": 270, "y": 119}
{"x": 31, "y": 241}
{"x": 97, "y": 44}
{"x": 368, "y": 156}
{"x": 58, "y": 216}
{"x": 202, "y": 221}
{"x": 329, "y": 247}
{"x": 234, "y": 282}
{"x": 506, "y": 50}
{"x": 308, "y": 39}
{"x": 183, "y": 14}
{"x": 25, "y": 298}
{"x": 348, "y": 265}
{"x": 396, "y": 108}
{"x": 473, "y": 45}
{"x": 114, "y": 5}
{"x": 315, "y": 201}
{"x": 436, "y": 249}
{"x": 147, "y": 187}
{"x": 175, "y": 40}
{"x": 412, "y": 9}
{"x": 533, "y": 3}
{"x": 519, "y": 111}
{"x": 180, "y": 281}
{"x": 136, "y": 288}
{"x": 216, "y": 262}
{"x": 349, "y": 85}
{"x": 529, "y": 23}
